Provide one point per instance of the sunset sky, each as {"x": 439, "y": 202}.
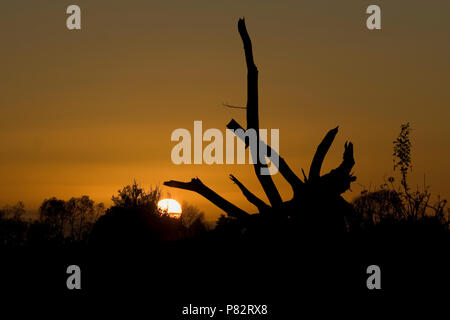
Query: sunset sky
{"x": 88, "y": 111}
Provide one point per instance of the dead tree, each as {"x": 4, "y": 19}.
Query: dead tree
{"x": 315, "y": 196}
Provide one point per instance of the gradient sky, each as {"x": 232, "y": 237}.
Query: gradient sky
{"x": 86, "y": 112}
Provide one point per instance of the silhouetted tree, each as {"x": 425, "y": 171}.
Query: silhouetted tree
{"x": 135, "y": 197}
{"x": 54, "y": 213}
{"x": 14, "y": 212}
{"x": 135, "y": 219}
{"x": 82, "y": 214}
{"x": 192, "y": 220}
{"x": 317, "y": 201}
{"x": 69, "y": 219}
{"x": 12, "y": 227}
{"x": 190, "y": 214}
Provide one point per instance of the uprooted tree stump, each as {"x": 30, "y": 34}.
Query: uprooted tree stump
{"x": 317, "y": 204}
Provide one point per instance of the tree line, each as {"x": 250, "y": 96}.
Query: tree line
{"x": 79, "y": 220}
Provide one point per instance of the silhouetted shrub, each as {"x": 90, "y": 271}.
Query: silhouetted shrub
{"x": 397, "y": 208}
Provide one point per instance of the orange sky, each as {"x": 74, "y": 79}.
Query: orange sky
{"x": 86, "y": 112}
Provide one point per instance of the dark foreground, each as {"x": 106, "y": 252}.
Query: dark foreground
{"x": 289, "y": 276}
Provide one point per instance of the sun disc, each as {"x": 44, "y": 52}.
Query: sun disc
{"x": 171, "y": 206}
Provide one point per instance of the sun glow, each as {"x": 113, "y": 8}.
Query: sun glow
{"x": 171, "y": 206}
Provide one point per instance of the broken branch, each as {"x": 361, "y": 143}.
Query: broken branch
{"x": 197, "y": 186}
{"x": 321, "y": 152}
{"x": 284, "y": 168}
{"x": 261, "y": 205}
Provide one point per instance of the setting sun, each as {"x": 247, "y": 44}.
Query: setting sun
{"x": 171, "y": 206}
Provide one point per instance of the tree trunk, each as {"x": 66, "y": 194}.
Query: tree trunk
{"x": 252, "y": 115}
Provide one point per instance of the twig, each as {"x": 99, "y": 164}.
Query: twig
{"x": 234, "y": 107}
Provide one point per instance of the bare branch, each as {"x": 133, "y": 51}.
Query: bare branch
{"x": 304, "y": 176}
{"x": 284, "y": 168}
{"x": 321, "y": 152}
{"x": 197, "y": 186}
{"x": 261, "y": 205}
{"x": 339, "y": 179}
{"x": 233, "y": 107}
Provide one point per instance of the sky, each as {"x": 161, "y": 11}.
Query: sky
{"x": 88, "y": 111}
